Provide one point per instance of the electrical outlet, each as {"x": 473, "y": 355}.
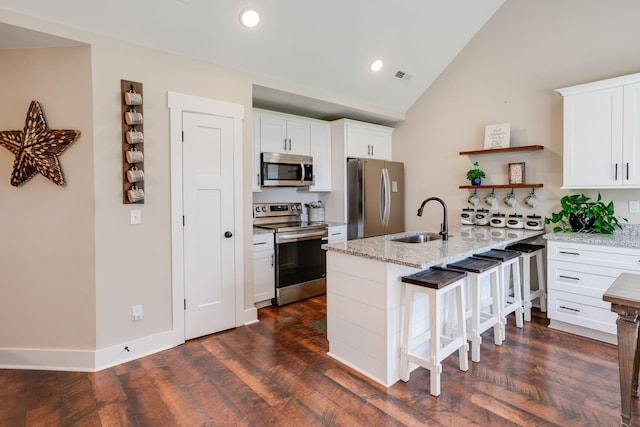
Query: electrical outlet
{"x": 136, "y": 216}
{"x": 136, "y": 313}
{"x": 634, "y": 206}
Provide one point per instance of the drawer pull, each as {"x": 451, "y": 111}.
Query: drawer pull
{"x": 569, "y": 253}
{"x": 337, "y": 234}
{"x": 569, "y": 277}
{"x": 259, "y": 243}
{"x": 575, "y": 310}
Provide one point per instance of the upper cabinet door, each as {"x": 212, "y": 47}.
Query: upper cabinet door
{"x": 273, "y": 134}
{"x": 358, "y": 142}
{"x": 601, "y": 135}
{"x": 631, "y": 140}
{"x": 593, "y": 139}
{"x": 368, "y": 141}
{"x": 298, "y": 135}
{"x": 281, "y": 135}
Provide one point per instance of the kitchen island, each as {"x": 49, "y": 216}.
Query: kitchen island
{"x": 364, "y": 291}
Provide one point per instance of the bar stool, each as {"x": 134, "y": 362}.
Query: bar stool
{"x": 477, "y": 269}
{"x": 529, "y": 251}
{"x": 509, "y": 269}
{"x": 435, "y": 282}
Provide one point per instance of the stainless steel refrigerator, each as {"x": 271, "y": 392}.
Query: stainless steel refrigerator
{"x": 375, "y": 198}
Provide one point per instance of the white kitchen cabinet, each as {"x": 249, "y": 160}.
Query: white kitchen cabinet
{"x": 255, "y": 172}
{"x": 320, "y": 144}
{"x": 601, "y": 135}
{"x": 264, "y": 288}
{"x": 282, "y": 133}
{"x": 577, "y": 277}
{"x": 337, "y": 233}
{"x": 365, "y": 140}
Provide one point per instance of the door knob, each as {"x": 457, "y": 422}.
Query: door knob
{"x": 228, "y": 234}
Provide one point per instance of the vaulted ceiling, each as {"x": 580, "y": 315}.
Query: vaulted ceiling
{"x": 324, "y": 45}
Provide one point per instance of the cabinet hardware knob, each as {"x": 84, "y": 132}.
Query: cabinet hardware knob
{"x": 228, "y": 234}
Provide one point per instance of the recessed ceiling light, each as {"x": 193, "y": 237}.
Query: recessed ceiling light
{"x": 249, "y": 18}
{"x": 376, "y": 65}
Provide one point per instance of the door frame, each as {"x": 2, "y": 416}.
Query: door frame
{"x": 178, "y": 104}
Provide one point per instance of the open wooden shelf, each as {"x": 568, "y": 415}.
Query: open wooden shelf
{"x": 504, "y": 150}
{"x": 503, "y": 186}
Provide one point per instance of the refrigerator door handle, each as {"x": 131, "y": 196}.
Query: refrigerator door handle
{"x": 386, "y": 198}
{"x": 382, "y": 198}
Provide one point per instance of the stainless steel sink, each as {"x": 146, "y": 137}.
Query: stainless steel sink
{"x": 418, "y": 238}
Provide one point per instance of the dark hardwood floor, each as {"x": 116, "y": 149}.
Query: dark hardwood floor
{"x": 276, "y": 372}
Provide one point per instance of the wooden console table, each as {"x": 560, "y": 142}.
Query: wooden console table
{"x": 624, "y": 296}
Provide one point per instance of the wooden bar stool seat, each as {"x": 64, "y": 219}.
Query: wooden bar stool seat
{"x": 510, "y": 273}
{"x": 431, "y": 347}
{"x": 477, "y": 269}
{"x": 528, "y": 251}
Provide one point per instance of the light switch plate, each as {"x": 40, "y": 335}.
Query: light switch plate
{"x": 634, "y": 206}
{"x": 136, "y": 216}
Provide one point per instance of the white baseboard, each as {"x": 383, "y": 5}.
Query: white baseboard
{"x": 83, "y": 360}
{"x": 47, "y": 359}
{"x": 95, "y": 360}
{"x": 250, "y": 316}
{"x": 117, "y": 354}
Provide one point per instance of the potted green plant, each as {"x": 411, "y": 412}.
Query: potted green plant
{"x": 580, "y": 215}
{"x": 476, "y": 174}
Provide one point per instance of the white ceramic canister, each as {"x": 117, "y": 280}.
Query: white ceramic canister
{"x": 534, "y": 222}
{"x": 467, "y": 216}
{"x": 498, "y": 220}
{"x": 482, "y": 217}
{"x": 515, "y": 221}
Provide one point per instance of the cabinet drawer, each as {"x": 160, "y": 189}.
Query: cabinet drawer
{"x": 588, "y": 280}
{"x": 593, "y": 313}
{"x": 595, "y": 255}
{"x": 337, "y": 233}
{"x": 263, "y": 242}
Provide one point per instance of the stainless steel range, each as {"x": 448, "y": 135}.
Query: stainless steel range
{"x": 301, "y": 266}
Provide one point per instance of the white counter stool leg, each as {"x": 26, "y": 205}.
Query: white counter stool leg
{"x": 434, "y": 282}
{"x": 510, "y": 273}
{"x": 528, "y": 251}
{"x": 477, "y": 269}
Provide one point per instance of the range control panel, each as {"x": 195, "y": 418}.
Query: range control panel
{"x": 262, "y": 210}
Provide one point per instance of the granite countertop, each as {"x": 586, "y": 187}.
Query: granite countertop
{"x": 464, "y": 241}
{"x": 628, "y": 237}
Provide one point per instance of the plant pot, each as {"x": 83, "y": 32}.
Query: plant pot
{"x": 476, "y": 181}
{"x": 581, "y": 222}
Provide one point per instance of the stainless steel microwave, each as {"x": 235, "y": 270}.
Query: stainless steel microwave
{"x": 286, "y": 170}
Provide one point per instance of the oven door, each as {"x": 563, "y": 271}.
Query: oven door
{"x": 300, "y": 257}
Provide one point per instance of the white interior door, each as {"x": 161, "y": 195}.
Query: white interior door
{"x": 208, "y": 206}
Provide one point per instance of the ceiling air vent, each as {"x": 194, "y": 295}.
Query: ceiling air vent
{"x": 402, "y": 75}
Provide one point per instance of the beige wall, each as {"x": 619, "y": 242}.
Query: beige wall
{"x": 113, "y": 265}
{"x": 508, "y": 73}
{"x": 47, "y": 268}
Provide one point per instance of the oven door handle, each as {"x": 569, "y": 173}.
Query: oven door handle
{"x": 302, "y": 236}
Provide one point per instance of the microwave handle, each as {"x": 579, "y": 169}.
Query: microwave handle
{"x": 301, "y": 172}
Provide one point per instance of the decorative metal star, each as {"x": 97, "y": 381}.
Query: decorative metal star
{"x": 37, "y": 148}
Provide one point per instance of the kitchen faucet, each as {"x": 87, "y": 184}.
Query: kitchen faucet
{"x": 444, "y": 228}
